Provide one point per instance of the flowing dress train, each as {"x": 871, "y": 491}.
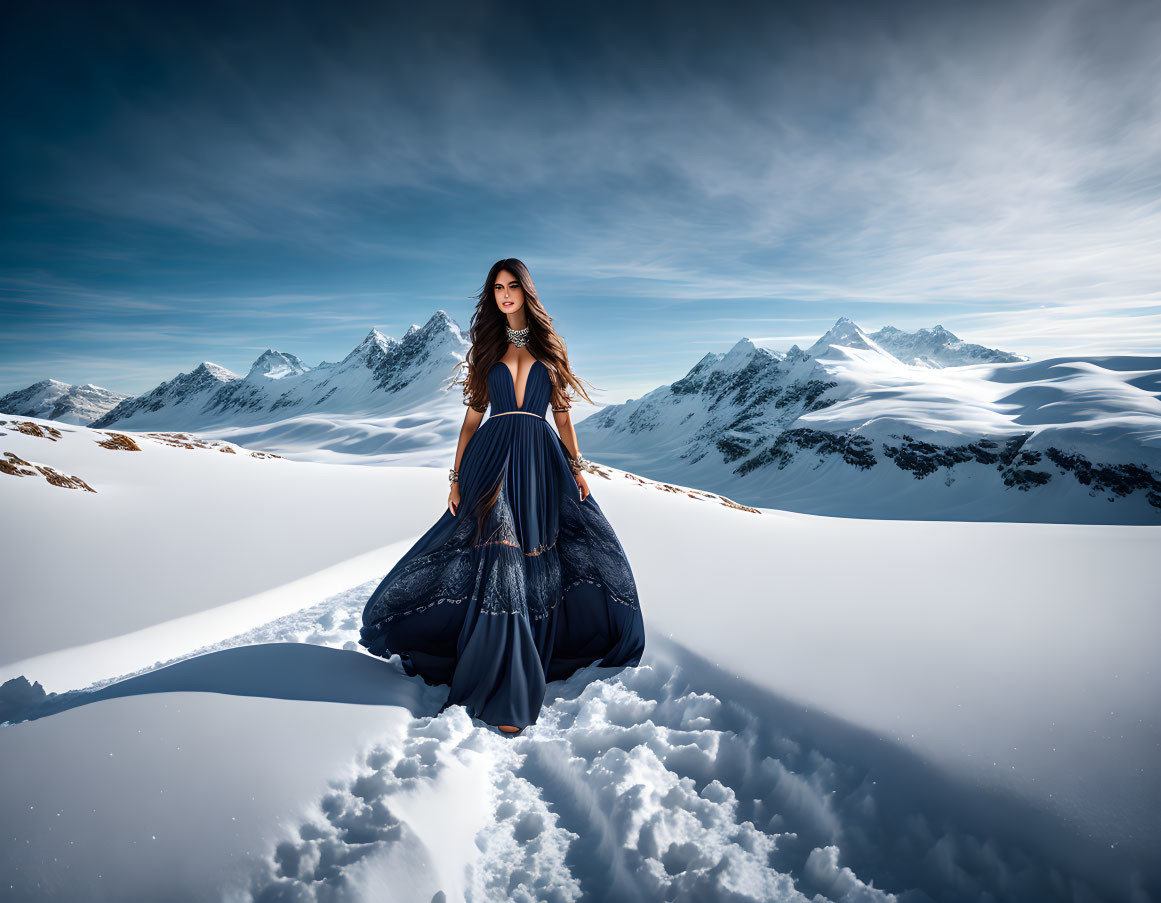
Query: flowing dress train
{"x": 524, "y": 584}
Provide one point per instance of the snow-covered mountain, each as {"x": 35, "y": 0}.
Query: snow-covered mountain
{"x": 387, "y": 396}
{"x": 881, "y": 424}
{"x": 939, "y": 347}
{"x": 53, "y": 400}
{"x": 380, "y": 375}
{"x": 844, "y": 334}
{"x": 276, "y": 365}
{"x": 846, "y": 428}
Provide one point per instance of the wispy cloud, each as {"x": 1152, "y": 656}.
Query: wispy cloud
{"x": 667, "y": 170}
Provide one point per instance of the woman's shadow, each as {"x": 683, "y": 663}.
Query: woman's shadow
{"x": 299, "y": 671}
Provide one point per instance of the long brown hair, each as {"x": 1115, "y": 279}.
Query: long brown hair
{"x": 490, "y": 341}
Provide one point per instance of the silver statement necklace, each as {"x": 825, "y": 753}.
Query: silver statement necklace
{"x": 518, "y": 337}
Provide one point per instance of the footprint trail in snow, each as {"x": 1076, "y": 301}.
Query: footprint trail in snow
{"x": 674, "y": 780}
{"x": 644, "y": 783}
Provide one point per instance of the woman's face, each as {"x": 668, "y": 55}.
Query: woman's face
{"x": 509, "y": 294}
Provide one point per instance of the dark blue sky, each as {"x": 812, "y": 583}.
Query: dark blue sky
{"x": 200, "y": 182}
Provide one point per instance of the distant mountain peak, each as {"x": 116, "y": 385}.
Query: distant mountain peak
{"x": 215, "y": 371}
{"x": 438, "y": 324}
{"x": 938, "y": 347}
{"x": 439, "y": 319}
{"x": 374, "y": 343}
{"x": 850, "y": 432}
{"x": 273, "y": 364}
{"x": 380, "y": 375}
{"x": 845, "y": 333}
{"x": 738, "y": 356}
{"x": 52, "y": 399}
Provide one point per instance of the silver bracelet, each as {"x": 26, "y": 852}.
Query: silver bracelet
{"x": 453, "y": 476}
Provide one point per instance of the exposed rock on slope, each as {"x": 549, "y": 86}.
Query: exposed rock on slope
{"x": 845, "y": 427}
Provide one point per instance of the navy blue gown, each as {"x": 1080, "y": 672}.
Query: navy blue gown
{"x": 524, "y": 584}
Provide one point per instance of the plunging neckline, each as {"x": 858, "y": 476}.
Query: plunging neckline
{"x": 512, "y": 380}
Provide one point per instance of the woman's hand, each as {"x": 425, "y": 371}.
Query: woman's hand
{"x": 582, "y": 485}
{"x": 453, "y": 498}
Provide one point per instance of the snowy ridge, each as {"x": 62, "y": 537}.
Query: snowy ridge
{"x": 939, "y": 347}
{"x": 191, "y": 391}
{"x": 386, "y": 399}
{"x": 51, "y": 399}
{"x": 379, "y": 375}
{"x": 887, "y": 424}
{"x": 273, "y": 364}
{"x": 846, "y": 428}
{"x": 844, "y": 334}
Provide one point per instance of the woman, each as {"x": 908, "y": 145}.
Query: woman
{"x": 522, "y": 579}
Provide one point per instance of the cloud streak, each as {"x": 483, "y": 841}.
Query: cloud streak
{"x": 910, "y": 163}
